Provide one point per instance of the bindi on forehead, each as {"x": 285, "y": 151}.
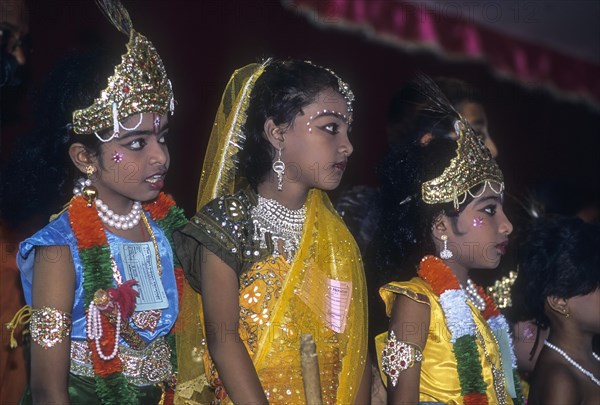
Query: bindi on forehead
{"x": 156, "y": 123}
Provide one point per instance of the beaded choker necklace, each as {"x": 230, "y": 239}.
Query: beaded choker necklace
{"x": 111, "y": 385}
{"x": 574, "y": 363}
{"x": 464, "y": 333}
{"x": 125, "y": 222}
{"x": 284, "y": 224}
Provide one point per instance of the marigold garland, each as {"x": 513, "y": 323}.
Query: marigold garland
{"x": 495, "y": 318}
{"x": 160, "y": 207}
{"x": 439, "y": 281}
{"x": 89, "y": 230}
{"x": 491, "y": 309}
{"x": 179, "y": 279}
{"x": 111, "y": 385}
{"x": 114, "y": 390}
{"x": 476, "y": 399}
{"x": 468, "y": 366}
{"x": 453, "y": 301}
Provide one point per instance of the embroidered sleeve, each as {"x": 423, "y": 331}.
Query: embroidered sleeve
{"x": 220, "y": 226}
{"x": 420, "y": 298}
{"x": 49, "y": 326}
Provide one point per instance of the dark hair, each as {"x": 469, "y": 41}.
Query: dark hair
{"x": 559, "y": 257}
{"x": 35, "y": 179}
{"x": 280, "y": 93}
{"x": 458, "y": 91}
{"x": 564, "y": 196}
{"x": 408, "y": 113}
{"x": 404, "y": 234}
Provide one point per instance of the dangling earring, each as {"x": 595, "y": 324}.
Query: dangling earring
{"x": 89, "y": 192}
{"x": 279, "y": 168}
{"x": 80, "y": 184}
{"x": 446, "y": 253}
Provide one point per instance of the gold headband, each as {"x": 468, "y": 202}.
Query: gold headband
{"x": 343, "y": 87}
{"x": 139, "y": 83}
{"x": 472, "y": 165}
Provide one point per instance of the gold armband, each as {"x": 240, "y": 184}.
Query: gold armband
{"x": 49, "y": 326}
{"x": 398, "y": 356}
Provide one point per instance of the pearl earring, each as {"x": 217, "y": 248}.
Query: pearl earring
{"x": 446, "y": 253}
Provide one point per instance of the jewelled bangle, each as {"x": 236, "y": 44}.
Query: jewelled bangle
{"x": 398, "y": 356}
{"x": 49, "y": 326}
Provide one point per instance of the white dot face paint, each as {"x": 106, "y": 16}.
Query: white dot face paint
{"x": 344, "y": 117}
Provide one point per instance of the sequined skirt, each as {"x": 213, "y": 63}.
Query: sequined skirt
{"x": 148, "y": 366}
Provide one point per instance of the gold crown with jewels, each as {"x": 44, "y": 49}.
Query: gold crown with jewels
{"x": 472, "y": 165}
{"x": 139, "y": 83}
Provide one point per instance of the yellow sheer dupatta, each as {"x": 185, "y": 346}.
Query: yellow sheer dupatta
{"x": 219, "y": 177}
{"x": 326, "y": 272}
{"x": 328, "y": 260}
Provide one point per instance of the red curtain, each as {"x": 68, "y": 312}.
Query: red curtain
{"x": 410, "y": 25}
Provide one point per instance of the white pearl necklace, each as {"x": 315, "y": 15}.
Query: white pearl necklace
{"x": 474, "y": 296}
{"x": 128, "y": 221}
{"x": 574, "y": 363}
{"x": 94, "y": 330}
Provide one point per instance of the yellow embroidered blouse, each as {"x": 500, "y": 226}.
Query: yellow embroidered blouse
{"x": 439, "y": 375}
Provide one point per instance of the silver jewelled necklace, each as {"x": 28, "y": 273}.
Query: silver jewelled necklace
{"x": 574, "y": 363}
{"x": 282, "y": 223}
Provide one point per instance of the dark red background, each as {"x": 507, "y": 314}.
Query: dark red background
{"x": 202, "y": 42}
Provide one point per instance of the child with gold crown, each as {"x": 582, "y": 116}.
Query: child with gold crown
{"x": 442, "y": 216}
{"x": 101, "y": 278}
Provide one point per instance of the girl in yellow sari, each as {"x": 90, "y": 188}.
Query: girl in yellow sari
{"x": 268, "y": 254}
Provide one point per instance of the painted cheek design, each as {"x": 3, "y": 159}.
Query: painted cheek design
{"x": 117, "y": 157}
{"x": 529, "y": 332}
{"x": 477, "y": 222}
